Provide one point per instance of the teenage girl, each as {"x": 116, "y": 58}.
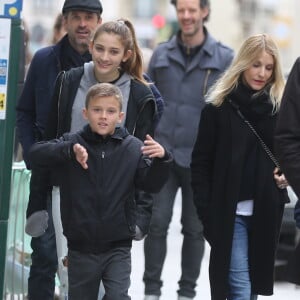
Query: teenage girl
{"x": 117, "y": 59}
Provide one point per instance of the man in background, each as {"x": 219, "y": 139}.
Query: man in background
{"x": 183, "y": 69}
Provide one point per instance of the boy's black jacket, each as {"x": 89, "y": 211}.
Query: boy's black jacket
{"x": 98, "y": 208}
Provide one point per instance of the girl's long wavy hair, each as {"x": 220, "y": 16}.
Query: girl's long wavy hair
{"x": 249, "y": 52}
{"x": 125, "y": 30}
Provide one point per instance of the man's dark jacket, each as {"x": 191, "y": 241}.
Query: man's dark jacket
{"x": 35, "y": 101}
{"x": 287, "y": 146}
{"x": 287, "y": 134}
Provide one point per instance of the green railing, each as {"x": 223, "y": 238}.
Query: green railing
{"x": 18, "y": 254}
{"x": 18, "y": 243}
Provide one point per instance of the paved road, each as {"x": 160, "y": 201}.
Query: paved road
{"x": 283, "y": 291}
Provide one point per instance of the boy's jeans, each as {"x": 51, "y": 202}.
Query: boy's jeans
{"x": 239, "y": 278}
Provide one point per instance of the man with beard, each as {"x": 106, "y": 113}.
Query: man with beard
{"x": 183, "y": 69}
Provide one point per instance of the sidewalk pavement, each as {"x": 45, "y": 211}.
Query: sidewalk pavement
{"x": 171, "y": 271}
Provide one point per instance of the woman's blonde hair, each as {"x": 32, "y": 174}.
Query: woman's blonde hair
{"x": 250, "y": 50}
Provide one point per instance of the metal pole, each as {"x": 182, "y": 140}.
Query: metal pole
{"x": 7, "y": 127}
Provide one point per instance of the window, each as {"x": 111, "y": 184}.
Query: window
{"x": 145, "y": 8}
{"x": 44, "y": 6}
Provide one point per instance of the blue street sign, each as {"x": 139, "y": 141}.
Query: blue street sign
{"x": 10, "y": 9}
{"x": 3, "y": 71}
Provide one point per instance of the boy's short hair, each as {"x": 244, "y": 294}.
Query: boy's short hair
{"x": 104, "y": 90}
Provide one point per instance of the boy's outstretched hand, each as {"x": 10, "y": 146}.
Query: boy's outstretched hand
{"x": 152, "y": 148}
{"x": 81, "y": 155}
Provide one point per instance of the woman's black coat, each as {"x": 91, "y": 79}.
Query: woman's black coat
{"x": 217, "y": 164}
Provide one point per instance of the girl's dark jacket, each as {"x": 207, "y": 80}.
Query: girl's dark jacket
{"x": 217, "y": 164}
{"x": 98, "y": 207}
{"x": 140, "y": 113}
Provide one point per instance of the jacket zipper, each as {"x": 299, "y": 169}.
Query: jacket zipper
{"x": 58, "y": 104}
{"x": 138, "y": 115}
{"x": 101, "y": 169}
{"x": 208, "y": 71}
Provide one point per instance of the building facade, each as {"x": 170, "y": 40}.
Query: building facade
{"x": 231, "y": 21}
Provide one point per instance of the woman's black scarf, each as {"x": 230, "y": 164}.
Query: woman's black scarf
{"x": 254, "y": 105}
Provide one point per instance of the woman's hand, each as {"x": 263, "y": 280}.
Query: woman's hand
{"x": 280, "y": 179}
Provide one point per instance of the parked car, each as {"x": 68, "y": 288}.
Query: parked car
{"x": 287, "y": 238}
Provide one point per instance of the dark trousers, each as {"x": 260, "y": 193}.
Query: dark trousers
{"x": 41, "y": 281}
{"x": 85, "y": 271}
{"x": 293, "y": 267}
{"x": 155, "y": 245}
{"x": 40, "y": 191}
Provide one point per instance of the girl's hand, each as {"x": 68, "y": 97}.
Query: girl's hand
{"x": 81, "y": 155}
{"x": 152, "y": 148}
{"x": 280, "y": 179}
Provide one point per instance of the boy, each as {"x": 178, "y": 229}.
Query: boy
{"x": 98, "y": 170}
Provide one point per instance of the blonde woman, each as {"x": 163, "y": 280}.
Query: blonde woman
{"x": 238, "y": 191}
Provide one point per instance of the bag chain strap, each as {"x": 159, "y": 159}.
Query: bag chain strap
{"x": 265, "y": 147}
